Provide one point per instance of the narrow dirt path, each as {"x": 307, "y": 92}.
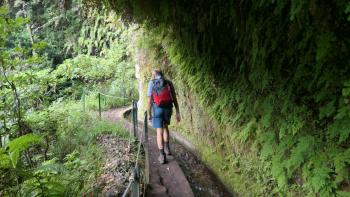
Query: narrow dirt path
{"x": 165, "y": 180}
{"x": 116, "y": 169}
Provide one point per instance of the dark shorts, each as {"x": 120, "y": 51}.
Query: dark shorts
{"x": 161, "y": 116}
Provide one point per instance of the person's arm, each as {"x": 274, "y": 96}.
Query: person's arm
{"x": 176, "y": 104}
{"x": 149, "y": 100}
{"x": 149, "y": 107}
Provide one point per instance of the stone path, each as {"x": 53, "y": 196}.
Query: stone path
{"x": 165, "y": 180}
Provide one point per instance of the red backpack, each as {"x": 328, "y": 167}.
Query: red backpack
{"x": 161, "y": 93}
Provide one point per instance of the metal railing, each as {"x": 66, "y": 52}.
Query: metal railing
{"x": 100, "y": 97}
{"x": 135, "y": 119}
{"x": 136, "y": 180}
{"x": 139, "y": 178}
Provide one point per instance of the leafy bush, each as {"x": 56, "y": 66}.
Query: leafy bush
{"x": 47, "y": 143}
{"x": 73, "y": 160}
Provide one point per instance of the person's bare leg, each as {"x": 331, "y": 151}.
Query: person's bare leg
{"x": 160, "y": 142}
{"x": 165, "y": 133}
{"x": 166, "y": 136}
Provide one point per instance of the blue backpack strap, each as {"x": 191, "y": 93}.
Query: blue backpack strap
{"x": 153, "y": 90}
{"x": 158, "y": 84}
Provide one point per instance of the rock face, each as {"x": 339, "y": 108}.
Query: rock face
{"x": 141, "y": 62}
{"x": 194, "y": 119}
{"x": 139, "y": 87}
{"x": 196, "y": 125}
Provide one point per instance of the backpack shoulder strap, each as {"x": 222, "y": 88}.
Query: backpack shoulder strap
{"x": 168, "y": 82}
{"x": 153, "y": 83}
{"x": 171, "y": 88}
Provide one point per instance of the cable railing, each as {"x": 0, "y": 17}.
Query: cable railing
{"x": 101, "y": 97}
{"x": 139, "y": 178}
{"x": 136, "y": 181}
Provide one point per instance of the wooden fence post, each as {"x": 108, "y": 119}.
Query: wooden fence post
{"x": 99, "y": 104}
{"x": 146, "y": 150}
{"x": 136, "y": 117}
{"x": 83, "y": 100}
{"x": 133, "y": 118}
{"x": 104, "y": 99}
{"x": 124, "y": 95}
{"x": 4, "y": 122}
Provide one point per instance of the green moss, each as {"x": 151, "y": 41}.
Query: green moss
{"x": 265, "y": 72}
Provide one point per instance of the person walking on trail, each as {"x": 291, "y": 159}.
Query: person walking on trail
{"x": 161, "y": 98}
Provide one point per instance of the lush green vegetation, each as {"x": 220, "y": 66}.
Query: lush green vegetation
{"x": 66, "y": 159}
{"x": 264, "y": 88}
{"x": 49, "y": 64}
{"x": 273, "y": 76}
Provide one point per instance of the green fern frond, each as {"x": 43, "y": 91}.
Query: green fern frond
{"x": 5, "y": 161}
{"x": 268, "y": 145}
{"x": 299, "y": 153}
{"x": 321, "y": 180}
{"x": 327, "y": 110}
{"x": 340, "y": 129}
{"x": 341, "y": 164}
{"x": 246, "y": 132}
{"x": 343, "y": 193}
{"x": 16, "y": 146}
{"x": 278, "y": 171}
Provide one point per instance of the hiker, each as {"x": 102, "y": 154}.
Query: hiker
{"x": 161, "y": 98}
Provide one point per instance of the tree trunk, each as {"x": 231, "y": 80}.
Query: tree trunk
{"x": 17, "y": 102}
{"x": 46, "y": 148}
{"x": 18, "y": 106}
{"x": 29, "y": 29}
{"x": 66, "y": 4}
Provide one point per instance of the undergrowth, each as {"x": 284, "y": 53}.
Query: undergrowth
{"x": 67, "y": 158}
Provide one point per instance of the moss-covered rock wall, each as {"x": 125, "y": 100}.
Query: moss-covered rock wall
{"x": 264, "y": 87}
{"x": 198, "y": 127}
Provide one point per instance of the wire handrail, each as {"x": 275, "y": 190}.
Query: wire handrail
{"x": 107, "y": 95}
{"x": 134, "y": 179}
{"x": 135, "y": 182}
{"x": 134, "y": 176}
{"x": 131, "y": 181}
{"x": 104, "y": 98}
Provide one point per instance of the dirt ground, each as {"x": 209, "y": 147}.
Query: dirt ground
{"x": 165, "y": 180}
{"x": 116, "y": 170}
{"x": 120, "y": 158}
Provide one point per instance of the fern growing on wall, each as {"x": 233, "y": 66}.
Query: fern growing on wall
{"x": 275, "y": 72}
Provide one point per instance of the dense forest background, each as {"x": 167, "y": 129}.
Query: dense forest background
{"x": 54, "y": 55}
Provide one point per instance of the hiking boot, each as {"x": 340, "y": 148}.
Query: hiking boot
{"x": 161, "y": 159}
{"x": 167, "y": 150}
